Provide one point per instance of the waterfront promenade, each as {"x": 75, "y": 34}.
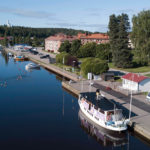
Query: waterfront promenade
{"x": 140, "y": 107}
{"x": 139, "y": 123}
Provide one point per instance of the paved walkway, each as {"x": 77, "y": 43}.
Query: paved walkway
{"x": 123, "y": 97}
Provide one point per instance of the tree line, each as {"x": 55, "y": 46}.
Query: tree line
{"x": 31, "y": 36}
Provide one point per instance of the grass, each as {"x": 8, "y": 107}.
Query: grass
{"x": 148, "y": 75}
{"x": 117, "y": 79}
{"x": 135, "y": 70}
{"x": 68, "y": 68}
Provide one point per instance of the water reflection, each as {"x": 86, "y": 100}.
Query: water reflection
{"x": 104, "y": 137}
{"x": 5, "y": 56}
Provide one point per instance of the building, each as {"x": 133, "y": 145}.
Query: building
{"x": 52, "y": 43}
{"x": 135, "y": 82}
{"x": 22, "y": 47}
{"x": 99, "y": 38}
{"x": 8, "y": 24}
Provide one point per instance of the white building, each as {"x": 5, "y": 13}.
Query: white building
{"x": 136, "y": 82}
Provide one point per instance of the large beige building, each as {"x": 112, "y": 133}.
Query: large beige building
{"x": 53, "y": 43}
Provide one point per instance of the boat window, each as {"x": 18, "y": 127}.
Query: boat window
{"x": 149, "y": 94}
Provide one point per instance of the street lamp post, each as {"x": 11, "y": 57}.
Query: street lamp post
{"x": 73, "y": 65}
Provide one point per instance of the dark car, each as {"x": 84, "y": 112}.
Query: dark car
{"x": 33, "y": 52}
{"x": 45, "y": 56}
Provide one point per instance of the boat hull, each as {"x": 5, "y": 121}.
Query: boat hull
{"x": 101, "y": 122}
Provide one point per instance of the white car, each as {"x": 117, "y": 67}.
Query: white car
{"x": 148, "y": 96}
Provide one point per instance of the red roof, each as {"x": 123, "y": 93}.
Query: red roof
{"x": 61, "y": 37}
{"x": 93, "y": 36}
{"x": 134, "y": 77}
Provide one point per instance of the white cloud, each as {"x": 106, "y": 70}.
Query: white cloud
{"x": 27, "y": 13}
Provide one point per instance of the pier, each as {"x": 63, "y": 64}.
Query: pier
{"x": 139, "y": 123}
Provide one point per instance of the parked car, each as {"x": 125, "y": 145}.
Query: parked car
{"x": 45, "y": 56}
{"x": 148, "y": 96}
{"x": 33, "y": 52}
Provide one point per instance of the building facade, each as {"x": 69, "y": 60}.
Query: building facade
{"x": 99, "y": 38}
{"x": 53, "y": 43}
{"x": 136, "y": 82}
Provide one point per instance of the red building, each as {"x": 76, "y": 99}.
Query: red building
{"x": 98, "y": 38}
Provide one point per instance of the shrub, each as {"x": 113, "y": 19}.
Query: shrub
{"x": 68, "y": 59}
{"x": 94, "y": 65}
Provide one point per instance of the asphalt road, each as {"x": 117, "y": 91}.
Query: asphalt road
{"x": 123, "y": 97}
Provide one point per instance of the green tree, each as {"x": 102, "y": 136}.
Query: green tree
{"x": 5, "y": 41}
{"x": 75, "y": 46}
{"x": 68, "y": 59}
{"x": 141, "y": 36}
{"x": 87, "y": 50}
{"x": 103, "y": 52}
{"x": 65, "y": 47}
{"x": 94, "y": 65}
{"x": 118, "y": 32}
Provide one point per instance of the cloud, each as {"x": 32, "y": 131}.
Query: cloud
{"x": 27, "y": 13}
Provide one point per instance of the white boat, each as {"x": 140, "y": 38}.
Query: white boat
{"x": 110, "y": 119}
{"x": 10, "y": 54}
{"x": 102, "y": 135}
{"x": 32, "y": 66}
{"x": 19, "y": 58}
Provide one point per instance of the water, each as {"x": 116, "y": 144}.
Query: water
{"x": 36, "y": 113}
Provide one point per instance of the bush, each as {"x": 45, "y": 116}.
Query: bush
{"x": 68, "y": 59}
{"x": 94, "y": 65}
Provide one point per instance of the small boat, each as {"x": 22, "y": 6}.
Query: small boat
{"x": 32, "y": 66}
{"x": 10, "y": 54}
{"x": 109, "y": 119}
{"x": 19, "y": 58}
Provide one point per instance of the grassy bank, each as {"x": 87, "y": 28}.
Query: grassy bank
{"x": 135, "y": 70}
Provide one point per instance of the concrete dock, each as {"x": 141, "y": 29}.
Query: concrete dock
{"x": 140, "y": 123}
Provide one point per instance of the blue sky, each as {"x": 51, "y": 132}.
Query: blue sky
{"x": 92, "y": 15}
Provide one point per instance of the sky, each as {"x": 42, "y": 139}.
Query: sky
{"x": 91, "y": 15}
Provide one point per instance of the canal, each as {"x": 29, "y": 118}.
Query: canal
{"x": 37, "y": 113}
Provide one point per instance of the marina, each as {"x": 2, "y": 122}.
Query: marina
{"x": 140, "y": 110}
{"x": 38, "y": 112}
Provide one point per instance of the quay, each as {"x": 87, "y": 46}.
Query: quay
{"x": 139, "y": 123}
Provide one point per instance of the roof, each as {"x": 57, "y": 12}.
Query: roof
{"x": 93, "y": 36}
{"x": 134, "y": 77}
{"x": 61, "y": 37}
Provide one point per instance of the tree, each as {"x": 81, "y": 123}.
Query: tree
{"x": 141, "y": 36}
{"x": 5, "y": 40}
{"x": 118, "y": 32}
{"x": 75, "y": 46}
{"x": 65, "y": 47}
{"x": 87, "y": 50}
{"x": 113, "y": 36}
{"x": 94, "y": 65}
{"x": 68, "y": 59}
{"x": 103, "y": 52}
